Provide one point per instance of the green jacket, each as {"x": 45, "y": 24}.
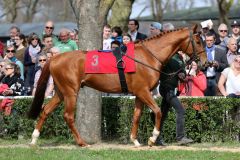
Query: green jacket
{"x": 169, "y": 76}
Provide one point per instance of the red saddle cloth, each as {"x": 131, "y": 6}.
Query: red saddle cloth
{"x": 105, "y": 62}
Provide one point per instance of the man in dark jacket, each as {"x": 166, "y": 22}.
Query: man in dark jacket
{"x": 217, "y": 62}
{"x": 133, "y": 26}
{"x": 172, "y": 72}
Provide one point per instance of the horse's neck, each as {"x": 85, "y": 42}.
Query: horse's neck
{"x": 165, "y": 46}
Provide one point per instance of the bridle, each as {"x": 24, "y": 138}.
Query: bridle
{"x": 192, "y": 58}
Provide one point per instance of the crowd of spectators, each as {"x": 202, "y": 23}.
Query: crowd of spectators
{"x": 221, "y": 47}
{"x": 30, "y": 52}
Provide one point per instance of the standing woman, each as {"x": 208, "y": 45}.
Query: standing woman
{"x": 50, "y": 86}
{"x": 13, "y": 80}
{"x": 20, "y": 43}
{"x": 196, "y": 82}
{"x": 30, "y": 60}
{"x": 228, "y": 83}
{"x": 10, "y": 56}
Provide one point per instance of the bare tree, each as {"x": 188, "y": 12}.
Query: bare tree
{"x": 121, "y": 11}
{"x": 224, "y": 7}
{"x": 157, "y": 10}
{"x": 10, "y": 10}
{"x": 91, "y": 15}
{"x": 30, "y": 8}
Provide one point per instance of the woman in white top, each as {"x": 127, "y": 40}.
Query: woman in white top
{"x": 228, "y": 83}
{"x": 42, "y": 59}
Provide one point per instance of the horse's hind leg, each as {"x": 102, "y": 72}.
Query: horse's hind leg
{"x": 48, "y": 108}
{"x": 70, "y": 103}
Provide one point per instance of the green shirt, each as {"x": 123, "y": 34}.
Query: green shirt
{"x": 70, "y": 45}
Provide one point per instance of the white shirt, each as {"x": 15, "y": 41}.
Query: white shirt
{"x": 211, "y": 70}
{"x": 133, "y": 35}
{"x": 232, "y": 82}
{"x": 107, "y": 44}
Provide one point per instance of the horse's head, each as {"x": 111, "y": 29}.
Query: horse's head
{"x": 193, "y": 46}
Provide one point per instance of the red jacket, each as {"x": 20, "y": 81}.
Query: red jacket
{"x": 195, "y": 85}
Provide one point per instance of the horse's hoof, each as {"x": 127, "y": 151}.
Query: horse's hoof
{"x": 32, "y": 145}
{"x": 150, "y": 142}
{"x": 138, "y": 145}
{"x": 84, "y": 145}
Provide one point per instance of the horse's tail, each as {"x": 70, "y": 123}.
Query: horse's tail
{"x": 40, "y": 93}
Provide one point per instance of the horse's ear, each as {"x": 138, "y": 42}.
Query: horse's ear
{"x": 194, "y": 28}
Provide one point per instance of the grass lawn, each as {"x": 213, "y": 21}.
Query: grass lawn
{"x": 18, "y": 150}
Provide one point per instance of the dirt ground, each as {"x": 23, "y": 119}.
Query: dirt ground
{"x": 101, "y": 146}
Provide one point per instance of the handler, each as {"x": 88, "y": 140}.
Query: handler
{"x": 172, "y": 72}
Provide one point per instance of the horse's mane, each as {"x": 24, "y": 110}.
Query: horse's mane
{"x": 159, "y": 35}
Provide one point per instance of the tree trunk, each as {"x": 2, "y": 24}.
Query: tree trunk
{"x": 224, "y": 7}
{"x": 31, "y": 10}
{"x": 91, "y": 15}
{"x": 121, "y": 11}
{"x": 157, "y": 10}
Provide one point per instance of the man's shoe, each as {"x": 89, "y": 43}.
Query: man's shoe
{"x": 160, "y": 143}
{"x": 185, "y": 141}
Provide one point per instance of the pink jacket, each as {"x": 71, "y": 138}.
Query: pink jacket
{"x": 195, "y": 86}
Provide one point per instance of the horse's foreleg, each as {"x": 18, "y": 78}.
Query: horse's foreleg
{"x": 149, "y": 101}
{"x": 70, "y": 102}
{"x": 136, "y": 118}
{"x": 48, "y": 108}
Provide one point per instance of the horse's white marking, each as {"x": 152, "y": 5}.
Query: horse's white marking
{"x": 155, "y": 135}
{"x": 135, "y": 141}
{"x": 35, "y": 136}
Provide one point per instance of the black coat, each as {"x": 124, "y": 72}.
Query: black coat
{"x": 221, "y": 57}
{"x": 140, "y": 36}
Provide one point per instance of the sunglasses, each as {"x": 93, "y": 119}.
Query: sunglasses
{"x": 8, "y": 68}
{"x": 10, "y": 51}
{"x": 237, "y": 60}
{"x": 223, "y": 31}
{"x": 34, "y": 39}
{"x": 48, "y": 27}
{"x": 42, "y": 60}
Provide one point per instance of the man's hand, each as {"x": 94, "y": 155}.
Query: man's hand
{"x": 182, "y": 76}
{"x": 215, "y": 64}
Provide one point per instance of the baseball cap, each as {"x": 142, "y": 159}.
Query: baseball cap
{"x": 156, "y": 25}
{"x": 235, "y": 23}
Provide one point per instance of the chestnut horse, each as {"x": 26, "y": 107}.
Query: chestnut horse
{"x": 68, "y": 74}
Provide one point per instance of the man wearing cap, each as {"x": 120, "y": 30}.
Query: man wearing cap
{"x": 155, "y": 28}
{"x": 236, "y": 32}
{"x": 133, "y": 26}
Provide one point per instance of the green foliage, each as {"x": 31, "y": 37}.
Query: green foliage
{"x": 42, "y": 153}
{"x": 214, "y": 122}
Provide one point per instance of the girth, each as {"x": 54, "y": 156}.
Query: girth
{"x": 121, "y": 66}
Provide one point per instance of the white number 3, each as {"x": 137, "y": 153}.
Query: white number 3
{"x": 95, "y": 60}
